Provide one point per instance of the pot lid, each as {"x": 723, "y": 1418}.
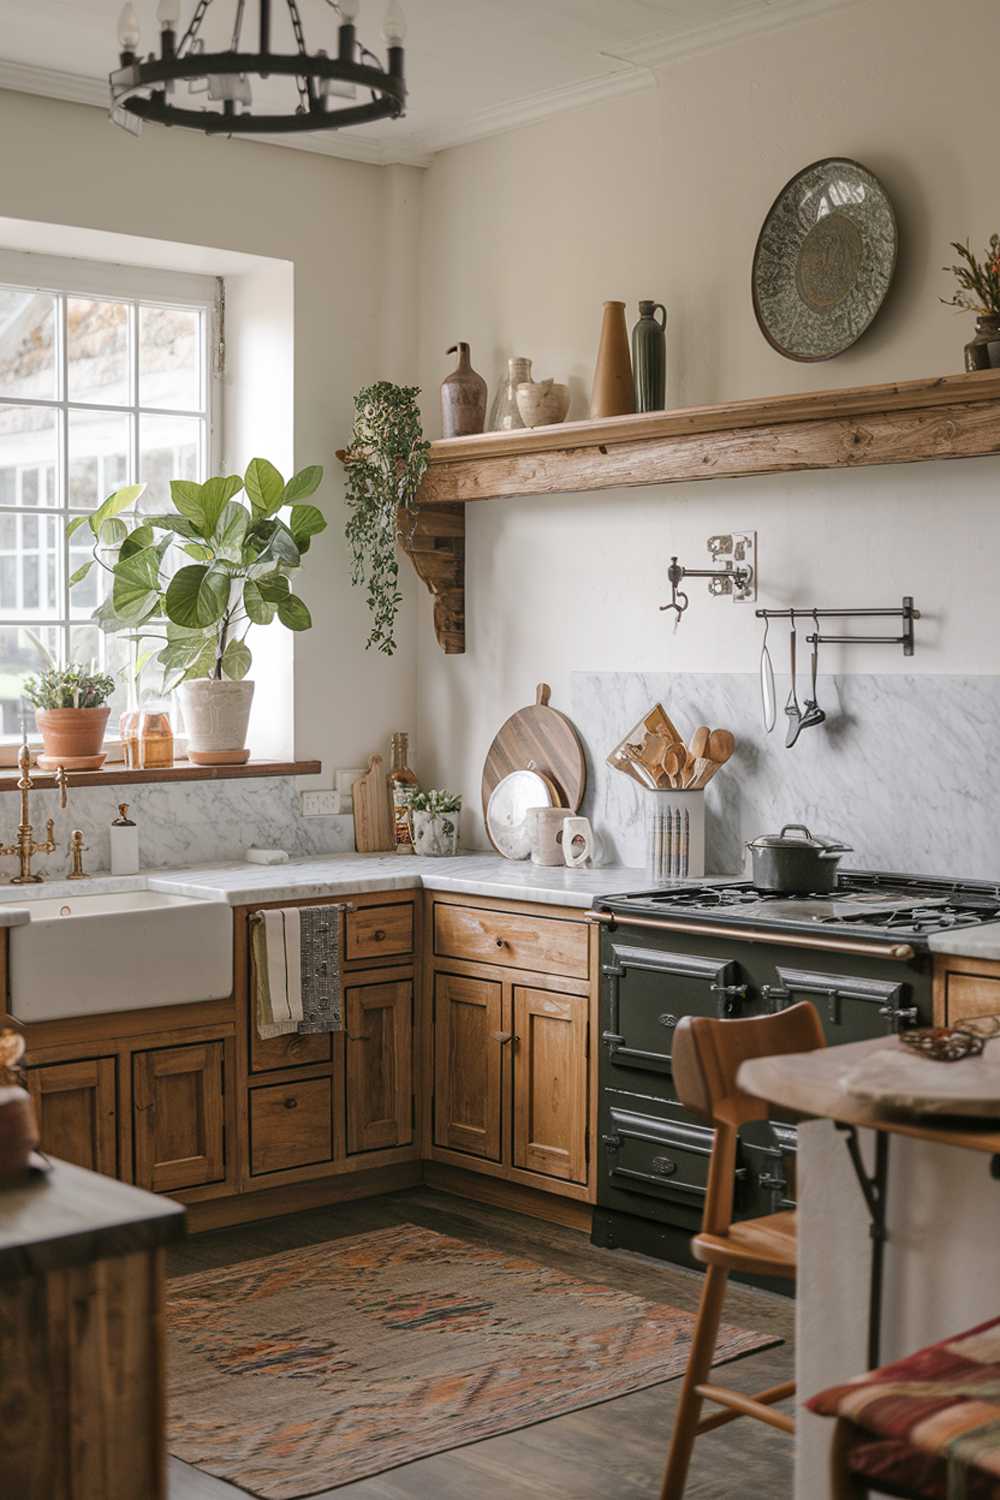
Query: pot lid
{"x": 803, "y": 840}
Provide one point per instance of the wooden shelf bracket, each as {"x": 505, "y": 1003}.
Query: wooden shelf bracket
{"x": 434, "y": 541}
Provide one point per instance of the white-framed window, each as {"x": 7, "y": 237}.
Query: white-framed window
{"x": 107, "y": 377}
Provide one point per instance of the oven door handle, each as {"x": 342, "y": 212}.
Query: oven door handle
{"x": 901, "y": 952}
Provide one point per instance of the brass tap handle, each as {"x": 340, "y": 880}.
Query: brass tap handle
{"x": 62, "y": 782}
{"x": 77, "y": 849}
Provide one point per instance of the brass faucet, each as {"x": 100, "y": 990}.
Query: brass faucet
{"x": 25, "y": 846}
{"x": 77, "y": 849}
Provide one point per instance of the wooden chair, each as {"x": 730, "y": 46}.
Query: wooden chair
{"x": 706, "y": 1059}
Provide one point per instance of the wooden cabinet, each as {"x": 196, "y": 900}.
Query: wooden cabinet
{"x": 77, "y": 1113}
{"x": 550, "y": 1083}
{"x": 468, "y": 1042}
{"x": 538, "y": 945}
{"x": 291, "y": 1125}
{"x": 377, "y": 932}
{"x": 379, "y": 1066}
{"x": 965, "y": 988}
{"x": 178, "y": 1116}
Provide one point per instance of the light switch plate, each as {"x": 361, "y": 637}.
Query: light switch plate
{"x": 344, "y": 783}
{"x": 320, "y": 804}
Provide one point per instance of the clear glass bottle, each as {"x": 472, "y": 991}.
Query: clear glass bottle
{"x": 128, "y": 722}
{"x": 504, "y": 415}
{"x": 155, "y": 734}
{"x": 402, "y": 786}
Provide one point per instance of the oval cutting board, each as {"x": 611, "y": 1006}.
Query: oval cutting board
{"x": 538, "y": 738}
{"x": 894, "y": 1078}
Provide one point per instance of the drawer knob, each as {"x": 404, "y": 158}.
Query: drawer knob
{"x": 291, "y": 1104}
{"x": 500, "y": 942}
{"x": 378, "y": 936}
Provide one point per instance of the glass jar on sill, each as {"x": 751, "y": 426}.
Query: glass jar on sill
{"x": 155, "y": 735}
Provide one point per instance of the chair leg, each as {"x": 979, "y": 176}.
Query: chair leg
{"x": 700, "y": 1362}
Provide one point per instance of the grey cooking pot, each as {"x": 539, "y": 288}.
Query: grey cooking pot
{"x": 795, "y": 866}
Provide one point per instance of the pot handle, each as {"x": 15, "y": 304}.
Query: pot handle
{"x": 836, "y": 850}
{"x": 800, "y": 827}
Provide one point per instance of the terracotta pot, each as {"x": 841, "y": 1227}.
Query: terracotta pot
{"x": 216, "y": 715}
{"x": 72, "y": 737}
{"x": 613, "y": 394}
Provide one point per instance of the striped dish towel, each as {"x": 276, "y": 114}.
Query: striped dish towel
{"x": 297, "y": 976}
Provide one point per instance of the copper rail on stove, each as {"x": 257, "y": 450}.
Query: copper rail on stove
{"x": 901, "y": 952}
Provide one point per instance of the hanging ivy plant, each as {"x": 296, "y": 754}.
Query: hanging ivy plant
{"x": 386, "y": 461}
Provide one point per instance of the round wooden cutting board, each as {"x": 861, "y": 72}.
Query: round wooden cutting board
{"x": 538, "y": 738}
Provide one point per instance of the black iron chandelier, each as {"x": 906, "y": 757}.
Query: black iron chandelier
{"x": 144, "y": 88}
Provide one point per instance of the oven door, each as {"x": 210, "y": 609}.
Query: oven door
{"x": 646, "y": 991}
{"x": 853, "y": 1007}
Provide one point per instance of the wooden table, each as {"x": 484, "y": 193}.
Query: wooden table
{"x": 82, "y": 1337}
{"x": 808, "y": 1084}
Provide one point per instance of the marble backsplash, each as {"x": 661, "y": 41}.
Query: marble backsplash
{"x": 180, "y": 822}
{"x": 902, "y": 770}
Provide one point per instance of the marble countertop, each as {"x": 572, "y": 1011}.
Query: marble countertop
{"x": 239, "y": 883}
{"x": 969, "y": 942}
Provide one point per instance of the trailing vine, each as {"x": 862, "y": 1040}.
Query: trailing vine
{"x": 385, "y": 462}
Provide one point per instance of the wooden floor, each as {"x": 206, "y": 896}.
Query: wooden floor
{"x": 613, "y": 1450}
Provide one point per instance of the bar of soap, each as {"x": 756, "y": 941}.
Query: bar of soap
{"x": 267, "y": 856}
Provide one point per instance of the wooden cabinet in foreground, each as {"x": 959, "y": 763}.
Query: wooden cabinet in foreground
{"x": 468, "y": 1051}
{"x": 179, "y": 1120}
{"x": 379, "y": 1066}
{"x": 550, "y": 1083}
{"x": 76, "y": 1109}
{"x": 965, "y": 988}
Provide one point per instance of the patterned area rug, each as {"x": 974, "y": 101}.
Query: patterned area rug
{"x": 303, "y": 1371}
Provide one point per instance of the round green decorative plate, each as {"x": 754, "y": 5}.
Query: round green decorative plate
{"x": 824, "y": 260}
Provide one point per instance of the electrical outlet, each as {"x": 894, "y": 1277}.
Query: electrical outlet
{"x": 320, "y": 804}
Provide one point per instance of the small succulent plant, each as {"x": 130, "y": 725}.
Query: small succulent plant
{"x": 437, "y": 802}
{"x": 72, "y": 686}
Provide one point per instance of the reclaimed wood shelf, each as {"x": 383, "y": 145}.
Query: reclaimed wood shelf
{"x": 121, "y": 775}
{"x": 948, "y": 416}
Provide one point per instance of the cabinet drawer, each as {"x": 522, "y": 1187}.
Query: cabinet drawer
{"x": 540, "y": 945}
{"x": 971, "y": 995}
{"x": 291, "y": 1125}
{"x": 380, "y": 931}
{"x": 294, "y": 1051}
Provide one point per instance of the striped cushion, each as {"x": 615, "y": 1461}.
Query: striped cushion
{"x": 936, "y": 1416}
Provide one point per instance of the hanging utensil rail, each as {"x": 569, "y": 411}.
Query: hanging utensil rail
{"x": 907, "y": 614}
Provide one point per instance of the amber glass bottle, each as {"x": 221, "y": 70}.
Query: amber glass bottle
{"x": 402, "y": 785}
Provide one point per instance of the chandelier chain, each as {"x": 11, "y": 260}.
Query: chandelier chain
{"x": 194, "y": 25}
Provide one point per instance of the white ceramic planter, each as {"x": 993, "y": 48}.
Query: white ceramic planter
{"x": 435, "y": 833}
{"x": 216, "y": 715}
{"x": 675, "y": 834}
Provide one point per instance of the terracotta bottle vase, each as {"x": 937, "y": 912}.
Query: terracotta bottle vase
{"x": 463, "y": 397}
{"x": 613, "y": 393}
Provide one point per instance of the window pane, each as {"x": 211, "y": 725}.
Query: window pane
{"x": 109, "y": 653}
{"x": 169, "y": 448}
{"x": 170, "y": 358}
{"x": 97, "y": 350}
{"x": 99, "y": 444}
{"x": 20, "y": 658}
{"x": 28, "y": 455}
{"x": 27, "y": 344}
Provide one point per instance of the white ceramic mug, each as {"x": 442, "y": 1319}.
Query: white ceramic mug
{"x": 545, "y": 826}
{"x": 577, "y": 841}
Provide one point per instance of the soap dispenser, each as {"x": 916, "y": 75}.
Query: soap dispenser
{"x": 124, "y": 843}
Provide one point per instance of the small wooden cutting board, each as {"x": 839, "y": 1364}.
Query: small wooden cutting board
{"x": 894, "y": 1078}
{"x": 538, "y": 738}
{"x": 372, "y": 820}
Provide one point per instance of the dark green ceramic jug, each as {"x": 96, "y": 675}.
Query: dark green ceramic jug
{"x": 649, "y": 358}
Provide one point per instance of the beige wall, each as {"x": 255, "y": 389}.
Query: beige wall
{"x": 661, "y": 194}
{"x": 65, "y": 164}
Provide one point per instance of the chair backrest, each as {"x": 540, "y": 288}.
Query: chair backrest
{"x": 706, "y": 1057}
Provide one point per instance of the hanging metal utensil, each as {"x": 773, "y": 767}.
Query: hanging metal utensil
{"x": 812, "y": 713}
{"x": 768, "y": 702}
{"x": 792, "y": 706}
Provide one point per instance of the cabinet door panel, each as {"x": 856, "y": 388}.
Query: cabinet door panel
{"x": 550, "y": 1083}
{"x": 291, "y": 1125}
{"x": 178, "y": 1116}
{"x": 379, "y": 1066}
{"x": 971, "y": 995}
{"x": 75, "y": 1106}
{"x": 380, "y": 931}
{"x": 468, "y": 1014}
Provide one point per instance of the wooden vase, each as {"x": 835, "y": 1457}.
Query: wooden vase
{"x": 613, "y": 393}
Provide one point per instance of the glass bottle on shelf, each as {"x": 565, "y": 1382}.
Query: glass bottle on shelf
{"x": 504, "y": 415}
{"x": 155, "y": 734}
{"x": 128, "y": 723}
{"x": 402, "y": 786}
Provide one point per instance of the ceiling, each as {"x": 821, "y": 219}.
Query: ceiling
{"x": 474, "y": 67}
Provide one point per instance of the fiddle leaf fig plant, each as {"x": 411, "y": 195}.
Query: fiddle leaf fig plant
{"x": 385, "y": 461}
{"x": 242, "y": 555}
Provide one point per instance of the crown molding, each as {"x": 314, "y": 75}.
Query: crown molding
{"x": 635, "y": 72}
{"x": 74, "y": 88}
{"x": 640, "y": 60}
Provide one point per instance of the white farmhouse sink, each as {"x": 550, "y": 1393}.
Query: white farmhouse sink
{"x": 85, "y": 955}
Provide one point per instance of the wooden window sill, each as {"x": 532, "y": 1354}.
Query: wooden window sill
{"x": 121, "y": 775}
